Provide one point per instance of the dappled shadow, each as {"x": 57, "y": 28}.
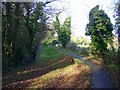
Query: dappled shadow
{"x": 20, "y": 77}
{"x": 100, "y": 78}
{"x": 77, "y": 77}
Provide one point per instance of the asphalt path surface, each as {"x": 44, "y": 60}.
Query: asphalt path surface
{"x": 100, "y": 78}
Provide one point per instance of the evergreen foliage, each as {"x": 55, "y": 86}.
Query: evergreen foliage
{"x": 100, "y": 30}
{"x": 21, "y": 31}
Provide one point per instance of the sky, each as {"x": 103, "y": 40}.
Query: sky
{"x": 79, "y": 11}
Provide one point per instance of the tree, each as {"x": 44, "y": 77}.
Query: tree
{"x": 117, "y": 18}
{"x": 24, "y": 26}
{"x": 63, "y": 31}
{"x": 100, "y": 30}
{"x": 12, "y": 17}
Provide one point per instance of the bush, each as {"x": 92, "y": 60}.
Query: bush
{"x": 84, "y": 51}
{"x": 76, "y": 61}
{"x": 110, "y": 57}
{"x": 54, "y": 42}
{"x": 72, "y": 46}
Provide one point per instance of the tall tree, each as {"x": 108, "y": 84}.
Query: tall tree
{"x": 100, "y": 30}
{"x": 63, "y": 31}
{"x": 6, "y": 31}
{"x": 24, "y": 26}
{"x": 117, "y": 18}
{"x": 12, "y": 17}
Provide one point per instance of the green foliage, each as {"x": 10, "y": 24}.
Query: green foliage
{"x": 56, "y": 24}
{"x": 110, "y": 57}
{"x": 49, "y": 38}
{"x": 117, "y": 18}
{"x": 21, "y": 31}
{"x": 72, "y": 46}
{"x": 54, "y": 42}
{"x": 47, "y": 53}
{"x": 114, "y": 67}
{"x": 79, "y": 45}
{"x": 100, "y": 29}
{"x": 76, "y": 61}
{"x": 63, "y": 31}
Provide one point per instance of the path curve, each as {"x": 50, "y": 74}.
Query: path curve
{"x": 100, "y": 78}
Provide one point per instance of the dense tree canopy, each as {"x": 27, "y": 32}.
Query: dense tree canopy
{"x": 100, "y": 29}
{"x": 23, "y": 23}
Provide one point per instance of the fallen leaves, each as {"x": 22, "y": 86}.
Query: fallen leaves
{"x": 68, "y": 76}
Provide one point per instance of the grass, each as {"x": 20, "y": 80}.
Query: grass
{"x": 113, "y": 66}
{"x": 94, "y": 59}
{"x": 67, "y": 50}
{"x": 77, "y": 61}
{"x": 47, "y": 53}
{"x": 114, "y": 70}
{"x": 52, "y": 69}
{"x": 45, "y": 57}
{"x": 110, "y": 66}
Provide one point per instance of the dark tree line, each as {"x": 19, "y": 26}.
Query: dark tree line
{"x": 117, "y": 18}
{"x": 23, "y": 27}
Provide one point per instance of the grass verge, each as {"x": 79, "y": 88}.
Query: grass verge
{"x": 114, "y": 71}
{"x": 47, "y": 53}
{"x": 50, "y": 71}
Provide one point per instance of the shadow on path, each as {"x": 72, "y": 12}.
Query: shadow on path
{"x": 100, "y": 78}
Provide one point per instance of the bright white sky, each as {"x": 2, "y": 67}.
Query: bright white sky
{"x": 79, "y": 11}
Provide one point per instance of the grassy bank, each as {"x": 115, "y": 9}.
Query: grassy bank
{"x": 51, "y": 69}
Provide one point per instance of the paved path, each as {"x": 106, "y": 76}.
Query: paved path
{"x": 100, "y": 78}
